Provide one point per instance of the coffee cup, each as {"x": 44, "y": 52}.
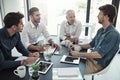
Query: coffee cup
{"x": 40, "y": 43}
{"x": 47, "y": 55}
{"x": 77, "y": 48}
{"x": 20, "y": 71}
{"x": 67, "y": 43}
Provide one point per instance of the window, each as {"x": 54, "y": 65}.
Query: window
{"x": 118, "y": 21}
{"x": 0, "y": 16}
{"x": 95, "y": 4}
{"x": 53, "y": 12}
{"x": 0, "y": 21}
{"x": 9, "y": 6}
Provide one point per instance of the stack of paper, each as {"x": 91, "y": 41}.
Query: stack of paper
{"x": 67, "y": 74}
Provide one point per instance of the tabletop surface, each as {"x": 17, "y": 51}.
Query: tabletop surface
{"x": 55, "y": 59}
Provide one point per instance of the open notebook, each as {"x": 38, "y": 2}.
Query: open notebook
{"x": 70, "y": 59}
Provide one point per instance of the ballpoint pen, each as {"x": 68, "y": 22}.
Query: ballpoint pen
{"x": 54, "y": 51}
{"x": 37, "y": 61}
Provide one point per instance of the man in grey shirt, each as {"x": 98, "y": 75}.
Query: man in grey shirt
{"x": 71, "y": 28}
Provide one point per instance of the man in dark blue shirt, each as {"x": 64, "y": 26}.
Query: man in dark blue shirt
{"x": 10, "y": 38}
{"x": 105, "y": 44}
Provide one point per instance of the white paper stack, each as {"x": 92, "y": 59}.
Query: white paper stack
{"x": 71, "y": 73}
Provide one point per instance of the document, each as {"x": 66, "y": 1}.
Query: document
{"x": 25, "y": 57}
{"x": 68, "y": 73}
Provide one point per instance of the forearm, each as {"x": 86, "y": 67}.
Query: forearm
{"x": 90, "y": 55}
{"x": 50, "y": 41}
{"x": 32, "y": 47}
{"x": 9, "y": 64}
{"x": 86, "y": 46}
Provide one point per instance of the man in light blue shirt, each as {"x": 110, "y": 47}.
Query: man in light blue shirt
{"x": 105, "y": 44}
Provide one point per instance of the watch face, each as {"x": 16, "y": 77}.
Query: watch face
{"x": 24, "y": 62}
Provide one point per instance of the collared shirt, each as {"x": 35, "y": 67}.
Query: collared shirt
{"x": 106, "y": 42}
{"x": 70, "y": 30}
{"x": 7, "y": 43}
{"x": 31, "y": 34}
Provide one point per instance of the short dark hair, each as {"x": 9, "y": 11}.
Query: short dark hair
{"x": 109, "y": 10}
{"x": 12, "y": 18}
{"x": 32, "y": 10}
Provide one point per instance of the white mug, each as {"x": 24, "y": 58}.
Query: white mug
{"x": 20, "y": 71}
{"x": 77, "y": 48}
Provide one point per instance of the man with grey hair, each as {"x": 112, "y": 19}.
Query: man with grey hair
{"x": 71, "y": 28}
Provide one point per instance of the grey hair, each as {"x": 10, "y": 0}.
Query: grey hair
{"x": 70, "y": 11}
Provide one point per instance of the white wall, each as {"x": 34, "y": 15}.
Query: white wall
{"x": 12, "y": 6}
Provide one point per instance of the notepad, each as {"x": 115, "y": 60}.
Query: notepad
{"x": 68, "y": 72}
{"x": 25, "y": 57}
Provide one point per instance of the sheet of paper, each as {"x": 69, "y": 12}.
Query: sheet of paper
{"x": 25, "y": 57}
{"x": 68, "y": 72}
{"x": 63, "y": 74}
{"x": 21, "y": 58}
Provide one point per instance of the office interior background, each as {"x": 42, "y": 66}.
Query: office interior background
{"x": 53, "y": 12}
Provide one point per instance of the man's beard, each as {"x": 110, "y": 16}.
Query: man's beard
{"x": 101, "y": 21}
{"x": 37, "y": 21}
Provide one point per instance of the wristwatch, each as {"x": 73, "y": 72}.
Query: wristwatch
{"x": 24, "y": 62}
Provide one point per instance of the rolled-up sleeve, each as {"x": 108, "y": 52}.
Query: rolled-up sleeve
{"x": 108, "y": 43}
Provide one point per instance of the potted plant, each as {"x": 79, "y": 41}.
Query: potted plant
{"x": 35, "y": 74}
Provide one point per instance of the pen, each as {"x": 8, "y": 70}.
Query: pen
{"x": 54, "y": 50}
{"x": 37, "y": 61}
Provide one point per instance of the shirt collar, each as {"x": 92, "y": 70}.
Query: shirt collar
{"x": 32, "y": 25}
{"x": 72, "y": 24}
{"x": 108, "y": 28}
{"x": 6, "y": 32}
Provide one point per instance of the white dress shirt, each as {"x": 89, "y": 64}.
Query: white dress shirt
{"x": 70, "y": 30}
{"x": 31, "y": 34}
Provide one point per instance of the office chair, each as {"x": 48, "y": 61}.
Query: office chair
{"x": 106, "y": 68}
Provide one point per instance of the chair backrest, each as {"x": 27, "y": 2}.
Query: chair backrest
{"x": 58, "y": 30}
{"x": 107, "y": 68}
